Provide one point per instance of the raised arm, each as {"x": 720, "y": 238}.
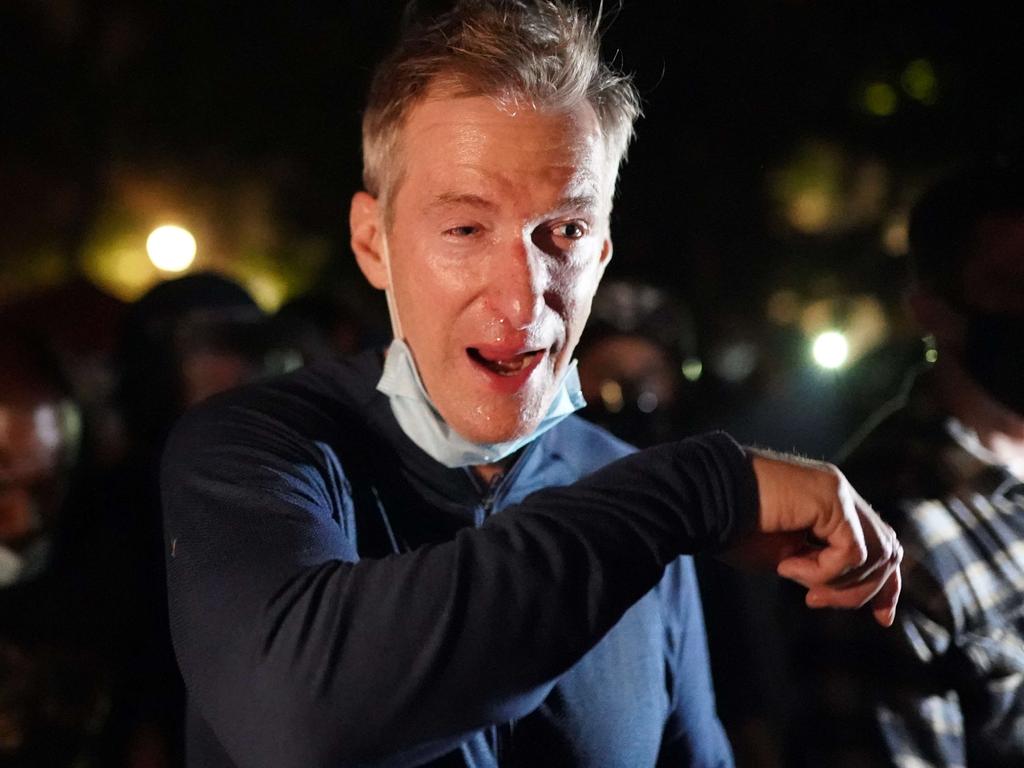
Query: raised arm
{"x": 296, "y": 652}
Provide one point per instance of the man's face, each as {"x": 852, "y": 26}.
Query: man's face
{"x": 994, "y": 273}
{"x": 32, "y": 446}
{"x": 498, "y": 238}
{"x": 993, "y": 352}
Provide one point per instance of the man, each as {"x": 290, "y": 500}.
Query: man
{"x": 55, "y": 691}
{"x": 410, "y": 560}
{"x": 945, "y": 466}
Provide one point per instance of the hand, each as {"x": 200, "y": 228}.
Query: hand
{"x": 815, "y": 529}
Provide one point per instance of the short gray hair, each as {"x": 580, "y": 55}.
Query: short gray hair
{"x": 544, "y": 53}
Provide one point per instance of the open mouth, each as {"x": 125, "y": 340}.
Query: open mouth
{"x": 511, "y": 365}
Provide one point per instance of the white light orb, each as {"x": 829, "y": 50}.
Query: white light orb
{"x": 171, "y": 248}
{"x": 831, "y": 350}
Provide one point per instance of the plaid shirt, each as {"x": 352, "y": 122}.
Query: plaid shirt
{"x": 945, "y": 685}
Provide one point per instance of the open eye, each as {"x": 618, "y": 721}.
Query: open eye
{"x": 571, "y": 230}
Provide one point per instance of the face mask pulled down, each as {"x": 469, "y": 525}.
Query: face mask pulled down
{"x": 423, "y": 424}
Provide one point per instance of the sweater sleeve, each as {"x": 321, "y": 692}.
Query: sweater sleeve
{"x": 296, "y": 652}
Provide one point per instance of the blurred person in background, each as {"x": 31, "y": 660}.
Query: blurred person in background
{"x": 328, "y": 323}
{"x": 57, "y": 689}
{"x": 630, "y": 359}
{"x": 944, "y": 464}
{"x": 80, "y": 340}
{"x": 183, "y": 341}
{"x": 316, "y": 326}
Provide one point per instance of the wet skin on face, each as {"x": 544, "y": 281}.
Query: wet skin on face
{"x": 498, "y": 238}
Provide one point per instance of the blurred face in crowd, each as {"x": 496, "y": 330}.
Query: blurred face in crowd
{"x": 205, "y": 373}
{"x": 993, "y": 336}
{"x": 33, "y": 449}
{"x": 994, "y": 272}
{"x": 497, "y": 236}
{"x": 984, "y": 330}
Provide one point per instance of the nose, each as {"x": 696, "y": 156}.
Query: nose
{"x": 518, "y": 282}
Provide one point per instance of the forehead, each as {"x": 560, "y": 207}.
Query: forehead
{"x": 477, "y": 144}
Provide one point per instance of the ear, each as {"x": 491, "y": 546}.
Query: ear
{"x": 935, "y": 316}
{"x": 606, "y": 256}
{"x": 366, "y": 237}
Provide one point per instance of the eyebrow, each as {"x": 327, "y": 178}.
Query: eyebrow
{"x": 456, "y": 198}
{"x": 576, "y": 202}
{"x": 586, "y": 202}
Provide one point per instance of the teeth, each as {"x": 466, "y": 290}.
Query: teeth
{"x": 508, "y": 367}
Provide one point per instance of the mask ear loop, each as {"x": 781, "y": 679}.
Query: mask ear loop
{"x": 389, "y": 292}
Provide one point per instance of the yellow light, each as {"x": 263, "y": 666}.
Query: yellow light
{"x": 611, "y": 395}
{"x": 920, "y": 82}
{"x": 810, "y": 211}
{"x": 880, "y": 99}
{"x": 171, "y": 248}
{"x": 268, "y": 290}
{"x": 830, "y": 350}
{"x": 896, "y": 237}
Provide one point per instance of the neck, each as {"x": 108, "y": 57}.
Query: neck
{"x": 999, "y": 429}
{"x": 487, "y": 472}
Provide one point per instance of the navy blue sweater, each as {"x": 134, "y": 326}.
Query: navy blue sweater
{"x": 338, "y": 598}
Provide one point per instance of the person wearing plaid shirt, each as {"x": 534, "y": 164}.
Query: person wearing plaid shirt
{"x": 944, "y": 464}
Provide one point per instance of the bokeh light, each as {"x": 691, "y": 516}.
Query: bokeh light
{"x": 831, "y": 350}
{"x": 647, "y": 402}
{"x": 268, "y": 289}
{"x": 735, "y": 361}
{"x": 693, "y": 369}
{"x": 920, "y": 82}
{"x": 896, "y": 235}
{"x": 611, "y": 396}
{"x": 171, "y": 248}
{"x": 880, "y": 99}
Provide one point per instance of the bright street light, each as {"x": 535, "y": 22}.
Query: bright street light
{"x": 831, "y": 350}
{"x": 171, "y": 248}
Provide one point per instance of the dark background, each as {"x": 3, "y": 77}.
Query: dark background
{"x": 761, "y": 182}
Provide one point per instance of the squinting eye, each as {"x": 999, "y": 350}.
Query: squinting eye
{"x": 571, "y": 230}
{"x": 465, "y": 231}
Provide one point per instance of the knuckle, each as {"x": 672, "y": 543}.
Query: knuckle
{"x": 860, "y": 552}
{"x": 888, "y": 549}
{"x": 835, "y": 477}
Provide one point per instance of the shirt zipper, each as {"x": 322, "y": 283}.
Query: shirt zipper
{"x": 503, "y": 732}
{"x": 491, "y": 494}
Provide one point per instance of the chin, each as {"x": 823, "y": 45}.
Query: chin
{"x": 493, "y": 433}
{"x": 494, "y": 429}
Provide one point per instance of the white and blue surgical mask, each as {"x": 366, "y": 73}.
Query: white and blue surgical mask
{"x": 423, "y": 424}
